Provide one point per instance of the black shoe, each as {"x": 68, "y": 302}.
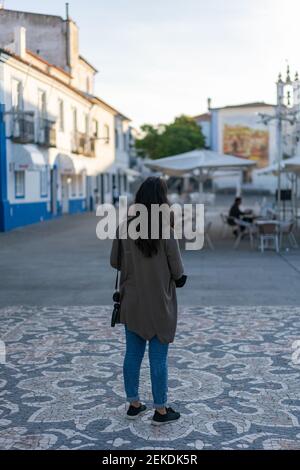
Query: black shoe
{"x": 133, "y": 412}
{"x": 170, "y": 416}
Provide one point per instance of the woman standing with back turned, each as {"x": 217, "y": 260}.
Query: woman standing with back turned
{"x": 150, "y": 269}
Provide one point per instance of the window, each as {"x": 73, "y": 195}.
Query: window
{"x": 95, "y": 128}
{"x": 117, "y": 138}
{"x": 108, "y": 182}
{"x": 86, "y": 124}
{"x": 17, "y": 95}
{"x": 80, "y": 185}
{"x": 73, "y": 186}
{"x": 74, "y": 119}
{"x": 124, "y": 141}
{"x": 125, "y": 182}
{"x": 61, "y": 115}
{"x": 106, "y": 133}
{"x": 42, "y": 115}
{"x": 19, "y": 184}
{"x": 42, "y": 105}
{"x": 44, "y": 183}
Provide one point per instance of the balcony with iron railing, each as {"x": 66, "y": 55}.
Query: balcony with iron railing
{"x": 46, "y": 133}
{"x": 83, "y": 144}
{"x": 22, "y": 126}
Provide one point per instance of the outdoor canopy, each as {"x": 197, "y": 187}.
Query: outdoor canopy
{"x": 183, "y": 163}
{"x": 27, "y": 157}
{"x": 67, "y": 165}
{"x": 292, "y": 164}
{"x": 288, "y": 165}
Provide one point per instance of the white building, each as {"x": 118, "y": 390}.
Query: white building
{"x": 64, "y": 147}
{"x": 239, "y": 130}
{"x": 204, "y": 122}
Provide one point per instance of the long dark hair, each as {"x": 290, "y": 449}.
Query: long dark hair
{"x": 152, "y": 191}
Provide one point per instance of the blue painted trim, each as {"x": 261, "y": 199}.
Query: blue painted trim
{"x": 4, "y": 206}
{"x": 77, "y": 205}
{"x": 23, "y": 214}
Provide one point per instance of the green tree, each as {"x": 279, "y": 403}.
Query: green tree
{"x": 180, "y": 136}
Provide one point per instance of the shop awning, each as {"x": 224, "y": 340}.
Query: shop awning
{"x": 27, "y": 157}
{"x": 68, "y": 165}
{"x": 64, "y": 164}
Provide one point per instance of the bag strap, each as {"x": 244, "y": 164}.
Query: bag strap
{"x": 119, "y": 264}
{"x": 119, "y": 255}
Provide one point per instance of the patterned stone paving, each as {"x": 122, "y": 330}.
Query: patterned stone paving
{"x": 231, "y": 375}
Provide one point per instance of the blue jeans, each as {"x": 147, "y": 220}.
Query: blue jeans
{"x": 158, "y": 358}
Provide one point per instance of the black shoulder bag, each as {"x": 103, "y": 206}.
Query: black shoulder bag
{"x": 115, "y": 318}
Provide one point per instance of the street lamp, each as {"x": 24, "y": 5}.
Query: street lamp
{"x": 284, "y": 113}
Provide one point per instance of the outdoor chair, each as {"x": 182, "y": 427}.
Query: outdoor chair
{"x": 245, "y": 229}
{"x": 268, "y": 232}
{"x": 286, "y": 232}
{"x": 226, "y": 226}
{"x": 207, "y": 230}
{"x": 270, "y": 213}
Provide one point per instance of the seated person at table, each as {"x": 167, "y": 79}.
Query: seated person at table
{"x": 236, "y": 213}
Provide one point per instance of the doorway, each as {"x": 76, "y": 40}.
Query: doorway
{"x": 65, "y": 194}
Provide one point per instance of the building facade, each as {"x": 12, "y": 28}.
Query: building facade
{"x": 239, "y": 130}
{"x": 62, "y": 149}
{"x": 204, "y": 122}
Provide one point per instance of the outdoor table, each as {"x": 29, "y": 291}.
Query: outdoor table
{"x": 267, "y": 221}
{"x": 269, "y": 236}
{"x": 248, "y": 217}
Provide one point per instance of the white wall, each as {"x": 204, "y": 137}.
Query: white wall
{"x": 205, "y": 128}
{"x": 244, "y": 115}
{"x": 46, "y": 34}
{"x": 81, "y": 73}
{"x": 33, "y": 81}
{"x": 52, "y": 38}
{"x": 122, "y": 150}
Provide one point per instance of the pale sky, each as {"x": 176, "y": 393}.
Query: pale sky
{"x": 161, "y": 58}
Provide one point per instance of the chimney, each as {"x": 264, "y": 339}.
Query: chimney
{"x": 20, "y": 41}
{"x": 209, "y": 104}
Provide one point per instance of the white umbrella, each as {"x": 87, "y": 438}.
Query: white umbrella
{"x": 292, "y": 164}
{"x": 181, "y": 164}
{"x": 288, "y": 165}
{"x": 270, "y": 169}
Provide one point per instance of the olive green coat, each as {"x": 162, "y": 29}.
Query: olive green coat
{"x": 147, "y": 288}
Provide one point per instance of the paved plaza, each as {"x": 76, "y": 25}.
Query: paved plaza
{"x": 231, "y": 375}
{"x": 233, "y": 367}
{"x": 63, "y": 263}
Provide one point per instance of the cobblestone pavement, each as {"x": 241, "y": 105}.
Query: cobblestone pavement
{"x": 232, "y": 375}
